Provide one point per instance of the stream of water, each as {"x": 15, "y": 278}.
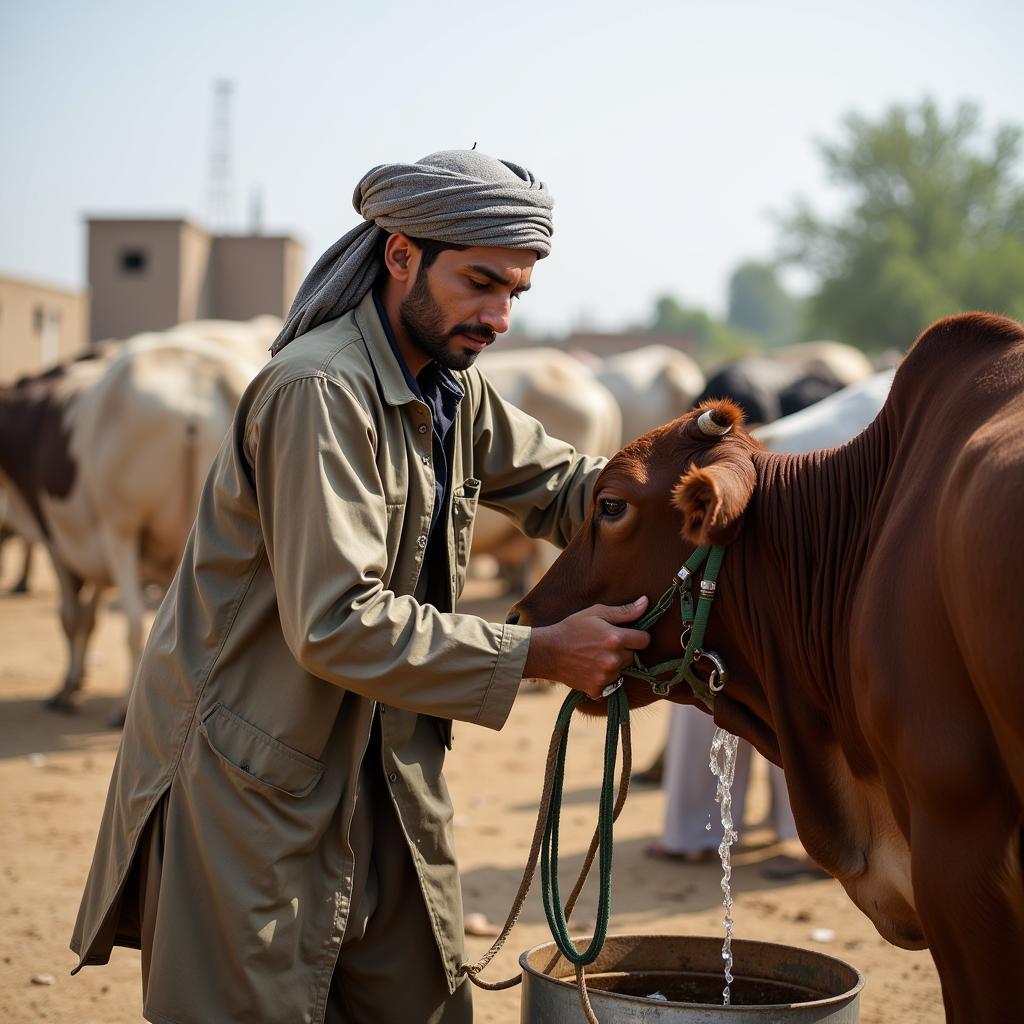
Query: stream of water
{"x": 723, "y": 767}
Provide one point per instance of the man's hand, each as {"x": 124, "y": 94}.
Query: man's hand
{"x": 588, "y": 650}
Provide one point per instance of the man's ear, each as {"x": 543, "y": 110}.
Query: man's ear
{"x": 400, "y": 257}
{"x": 712, "y": 498}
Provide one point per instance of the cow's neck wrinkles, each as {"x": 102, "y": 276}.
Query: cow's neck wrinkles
{"x": 790, "y": 580}
{"x": 798, "y": 558}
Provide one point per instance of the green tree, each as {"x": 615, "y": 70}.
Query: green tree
{"x": 760, "y": 304}
{"x": 934, "y": 225}
{"x": 715, "y": 340}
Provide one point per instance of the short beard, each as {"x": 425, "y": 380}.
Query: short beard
{"x": 423, "y": 320}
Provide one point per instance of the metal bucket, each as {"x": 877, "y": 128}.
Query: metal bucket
{"x": 772, "y": 984}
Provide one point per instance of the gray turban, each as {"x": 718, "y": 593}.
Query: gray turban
{"x": 460, "y": 196}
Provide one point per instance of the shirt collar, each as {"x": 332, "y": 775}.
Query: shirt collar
{"x": 431, "y": 377}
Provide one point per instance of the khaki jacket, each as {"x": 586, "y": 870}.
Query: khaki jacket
{"x": 291, "y": 618}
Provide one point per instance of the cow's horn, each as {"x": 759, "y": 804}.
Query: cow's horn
{"x": 707, "y": 424}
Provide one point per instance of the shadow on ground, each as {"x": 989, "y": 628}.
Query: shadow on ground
{"x": 29, "y": 727}
{"x": 677, "y": 887}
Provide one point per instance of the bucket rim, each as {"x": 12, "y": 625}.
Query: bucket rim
{"x": 583, "y": 940}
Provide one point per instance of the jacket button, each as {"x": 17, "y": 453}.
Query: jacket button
{"x": 421, "y": 541}
{"x": 422, "y": 428}
{"x": 393, "y": 777}
{"x": 425, "y": 459}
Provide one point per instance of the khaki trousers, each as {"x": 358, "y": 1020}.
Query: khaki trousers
{"x": 389, "y": 970}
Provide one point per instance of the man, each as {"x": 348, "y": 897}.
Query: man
{"x": 277, "y": 834}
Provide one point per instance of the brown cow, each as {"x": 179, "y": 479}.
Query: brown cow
{"x": 869, "y": 611}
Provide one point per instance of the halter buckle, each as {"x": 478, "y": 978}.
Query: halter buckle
{"x": 719, "y": 674}
{"x": 707, "y": 589}
{"x": 612, "y": 687}
{"x": 683, "y": 575}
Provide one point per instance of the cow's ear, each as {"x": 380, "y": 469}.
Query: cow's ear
{"x": 712, "y": 498}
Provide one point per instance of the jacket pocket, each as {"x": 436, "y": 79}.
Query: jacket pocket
{"x": 464, "y": 506}
{"x": 252, "y": 751}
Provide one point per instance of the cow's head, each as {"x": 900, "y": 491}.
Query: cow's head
{"x": 682, "y": 485}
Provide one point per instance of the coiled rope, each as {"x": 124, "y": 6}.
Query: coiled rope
{"x": 545, "y": 846}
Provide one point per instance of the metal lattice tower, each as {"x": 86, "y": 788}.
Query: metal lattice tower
{"x": 220, "y": 185}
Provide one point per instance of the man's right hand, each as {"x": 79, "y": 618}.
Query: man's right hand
{"x": 587, "y": 650}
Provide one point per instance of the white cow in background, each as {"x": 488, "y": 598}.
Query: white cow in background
{"x": 830, "y": 422}
{"x": 250, "y": 339}
{"x": 103, "y": 464}
{"x": 846, "y": 364}
{"x": 652, "y": 385}
{"x": 573, "y": 406}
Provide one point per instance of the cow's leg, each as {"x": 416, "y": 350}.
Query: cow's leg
{"x": 968, "y": 887}
{"x": 21, "y": 587}
{"x": 123, "y": 559}
{"x": 77, "y": 617}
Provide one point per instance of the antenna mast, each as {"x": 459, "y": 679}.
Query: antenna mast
{"x": 220, "y": 196}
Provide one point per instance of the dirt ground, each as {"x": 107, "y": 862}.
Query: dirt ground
{"x": 53, "y": 777}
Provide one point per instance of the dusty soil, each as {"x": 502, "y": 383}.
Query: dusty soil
{"x": 53, "y": 777}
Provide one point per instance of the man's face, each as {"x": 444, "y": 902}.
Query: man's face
{"x": 458, "y": 305}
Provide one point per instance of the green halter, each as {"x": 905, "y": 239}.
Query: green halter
{"x": 694, "y": 620}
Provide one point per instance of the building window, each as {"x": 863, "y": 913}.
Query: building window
{"x": 37, "y": 319}
{"x": 133, "y": 261}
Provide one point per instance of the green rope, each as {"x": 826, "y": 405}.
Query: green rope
{"x": 694, "y": 620}
{"x": 618, "y": 718}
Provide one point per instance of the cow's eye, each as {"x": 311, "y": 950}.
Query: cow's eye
{"x": 612, "y": 508}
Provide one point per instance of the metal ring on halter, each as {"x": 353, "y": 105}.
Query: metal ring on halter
{"x": 612, "y": 687}
{"x": 719, "y": 675}
{"x": 684, "y": 637}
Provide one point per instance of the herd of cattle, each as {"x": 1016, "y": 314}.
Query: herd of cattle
{"x": 869, "y": 607}
{"x": 102, "y": 460}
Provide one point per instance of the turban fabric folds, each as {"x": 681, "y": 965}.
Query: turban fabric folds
{"x": 460, "y": 196}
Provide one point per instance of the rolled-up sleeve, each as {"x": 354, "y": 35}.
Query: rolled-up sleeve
{"x": 312, "y": 448}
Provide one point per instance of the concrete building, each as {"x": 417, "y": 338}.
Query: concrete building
{"x": 40, "y": 325}
{"x": 147, "y": 275}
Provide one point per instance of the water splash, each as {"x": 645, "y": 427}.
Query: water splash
{"x": 723, "y": 767}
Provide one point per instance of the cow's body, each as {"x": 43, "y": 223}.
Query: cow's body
{"x": 103, "y": 464}
{"x": 651, "y": 385}
{"x": 833, "y": 359}
{"x": 830, "y": 422}
{"x": 782, "y": 381}
{"x": 869, "y": 612}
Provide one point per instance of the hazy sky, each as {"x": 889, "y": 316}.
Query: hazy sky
{"x": 668, "y": 132}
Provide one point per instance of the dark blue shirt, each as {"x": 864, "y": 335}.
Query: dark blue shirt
{"x": 439, "y": 389}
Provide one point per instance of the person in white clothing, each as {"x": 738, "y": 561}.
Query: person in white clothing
{"x": 690, "y": 798}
